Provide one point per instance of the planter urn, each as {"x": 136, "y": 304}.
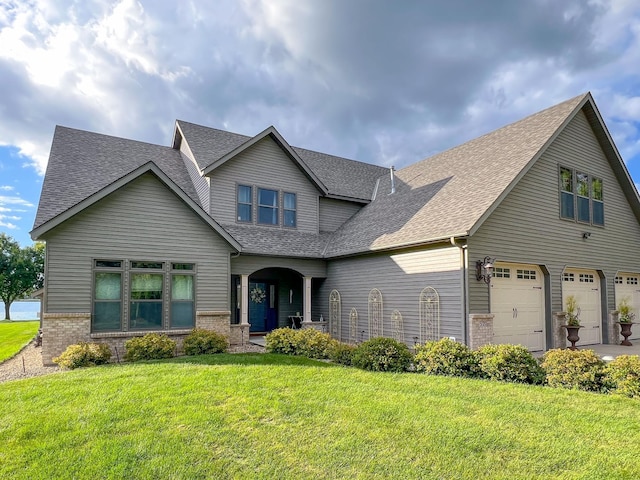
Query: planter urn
{"x": 572, "y": 335}
{"x": 625, "y": 331}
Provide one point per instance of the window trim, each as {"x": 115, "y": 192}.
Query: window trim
{"x": 106, "y": 269}
{"x": 276, "y": 207}
{"x": 250, "y": 204}
{"x": 574, "y": 194}
{"x": 294, "y": 210}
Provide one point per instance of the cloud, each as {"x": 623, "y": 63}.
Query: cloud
{"x": 365, "y": 79}
{"x": 6, "y": 188}
{"x": 11, "y": 226}
{"x": 13, "y": 200}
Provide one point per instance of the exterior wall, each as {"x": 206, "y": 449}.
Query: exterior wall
{"x": 527, "y": 228}
{"x": 141, "y": 221}
{"x": 333, "y": 213}
{"x": 400, "y": 277}
{"x": 263, "y": 165}
{"x": 200, "y": 183}
{"x": 248, "y": 264}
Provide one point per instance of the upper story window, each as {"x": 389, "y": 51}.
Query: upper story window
{"x": 289, "y": 209}
{"x": 245, "y": 203}
{"x": 268, "y": 212}
{"x": 581, "y": 197}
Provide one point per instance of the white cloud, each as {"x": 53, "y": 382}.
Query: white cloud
{"x": 6, "y": 200}
{"x": 8, "y": 225}
{"x": 6, "y": 188}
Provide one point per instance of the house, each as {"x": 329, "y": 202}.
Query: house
{"x": 482, "y": 242}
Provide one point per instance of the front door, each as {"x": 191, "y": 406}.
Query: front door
{"x": 263, "y": 314}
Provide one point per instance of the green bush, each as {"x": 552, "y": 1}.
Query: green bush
{"x": 150, "y": 347}
{"x": 203, "y": 342}
{"x": 576, "y": 369}
{"x": 509, "y": 363}
{"x": 382, "y": 355}
{"x": 84, "y": 355}
{"x": 342, "y": 353}
{"x": 622, "y": 375}
{"x": 307, "y": 342}
{"x": 282, "y": 340}
{"x": 446, "y": 357}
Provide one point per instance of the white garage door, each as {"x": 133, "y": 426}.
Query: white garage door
{"x": 517, "y": 303}
{"x": 584, "y": 285}
{"x": 628, "y": 286}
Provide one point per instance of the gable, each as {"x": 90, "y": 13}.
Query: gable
{"x": 263, "y": 165}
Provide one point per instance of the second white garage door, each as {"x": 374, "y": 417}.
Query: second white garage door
{"x": 628, "y": 286}
{"x": 517, "y": 303}
{"x": 584, "y": 285}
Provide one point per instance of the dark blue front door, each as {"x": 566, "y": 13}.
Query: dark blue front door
{"x": 263, "y": 315}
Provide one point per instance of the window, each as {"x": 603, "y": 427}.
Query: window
{"x": 586, "y": 278}
{"x": 267, "y": 206}
{"x": 618, "y": 280}
{"x": 632, "y": 280}
{"x": 289, "y": 208}
{"x": 568, "y": 277}
{"x": 500, "y": 272}
{"x": 107, "y": 296}
{"x": 526, "y": 274}
{"x": 581, "y": 197}
{"x": 151, "y": 286}
{"x": 245, "y": 203}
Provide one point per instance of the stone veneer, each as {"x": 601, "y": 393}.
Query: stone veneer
{"x": 480, "y": 329}
{"x": 613, "y": 328}
{"x": 59, "y": 330}
{"x": 558, "y": 334}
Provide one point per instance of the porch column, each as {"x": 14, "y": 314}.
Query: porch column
{"x": 244, "y": 300}
{"x": 306, "y": 318}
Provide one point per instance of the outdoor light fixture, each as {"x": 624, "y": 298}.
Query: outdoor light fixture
{"x": 484, "y": 269}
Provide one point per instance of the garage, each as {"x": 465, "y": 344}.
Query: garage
{"x": 627, "y": 286}
{"x": 517, "y": 303}
{"x": 584, "y": 285}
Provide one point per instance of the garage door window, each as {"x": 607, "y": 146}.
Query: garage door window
{"x": 632, "y": 280}
{"x": 568, "y": 277}
{"x": 586, "y": 278}
{"x": 526, "y": 274}
{"x": 618, "y": 280}
{"x": 499, "y": 272}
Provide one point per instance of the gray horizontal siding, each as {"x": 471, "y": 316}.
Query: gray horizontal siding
{"x": 526, "y": 228}
{"x": 200, "y": 183}
{"x": 264, "y": 165}
{"x": 249, "y": 264}
{"x": 401, "y": 278}
{"x": 333, "y": 213}
{"x": 142, "y": 221}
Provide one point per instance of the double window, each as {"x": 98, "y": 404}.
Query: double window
{"x": 581, "y": 197}
{"x": 150, "y": 286}
{"x": 269, "y": 205}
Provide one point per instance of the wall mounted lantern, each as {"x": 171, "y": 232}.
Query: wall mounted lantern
{"x": 484, "y": 269}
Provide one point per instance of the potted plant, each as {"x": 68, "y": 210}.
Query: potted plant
{"x": 573, "y": 322}
{"x": 625, "y": 320}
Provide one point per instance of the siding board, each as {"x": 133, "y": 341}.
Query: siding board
{"x": 526, "y": 226}
{"x": 333, "y": 213}
{"x": 143, "y": 220}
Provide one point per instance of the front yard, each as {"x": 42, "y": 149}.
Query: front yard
{"x": 271, "y": 416}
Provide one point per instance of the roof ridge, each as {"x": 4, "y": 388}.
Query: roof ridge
{"x": 90, "y": 132}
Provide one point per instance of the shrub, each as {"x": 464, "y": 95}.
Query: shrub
{"x": 150, "y": 347}
{"x": 342, "y": 353}
{"x": 84, "y": 355}
{"x": 314, "y": 344}
{"x": 446, "y": 357}
{"x": 308, "y": 342}
{"x": 282, "y": 340}
{"x": 202, "y": 342}
{"x": 509, "y": 363}
{"x": 382, "y": 355}
{"x": 622, "y": 375}
{"x": 577, "y": 369}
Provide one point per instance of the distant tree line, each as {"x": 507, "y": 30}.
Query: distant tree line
{"x": 21, "y": 271}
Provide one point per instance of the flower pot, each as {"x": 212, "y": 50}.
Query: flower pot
{"x": 625, "y": 331}
{"x": 572, "y": 335}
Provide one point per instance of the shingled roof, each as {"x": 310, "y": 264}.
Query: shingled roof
{"x": 83, "y": 163}
{"x": 441, "y": 197}
{"x": 342, "y": 177}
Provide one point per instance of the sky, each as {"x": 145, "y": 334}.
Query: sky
{"x": 383, "y": 82}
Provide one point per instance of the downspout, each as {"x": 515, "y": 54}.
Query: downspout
{"x": 464, "y": 261}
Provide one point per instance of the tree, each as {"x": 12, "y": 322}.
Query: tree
{"x": 21, "y": 270}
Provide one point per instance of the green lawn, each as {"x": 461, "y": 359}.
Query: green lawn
{"x": 269, "y": 416}
{"x": 14, "y": 336}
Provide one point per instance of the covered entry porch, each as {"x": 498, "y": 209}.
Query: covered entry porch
{"x": 269, "y": 293}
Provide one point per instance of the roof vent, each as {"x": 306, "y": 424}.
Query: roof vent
{"x": 393, "y": 180}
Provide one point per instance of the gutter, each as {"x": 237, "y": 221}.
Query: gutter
{"x": 464, "y": 266}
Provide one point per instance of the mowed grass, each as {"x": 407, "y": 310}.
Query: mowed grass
{"x": 14, "y": 336}
{"x": 276, "y": 417}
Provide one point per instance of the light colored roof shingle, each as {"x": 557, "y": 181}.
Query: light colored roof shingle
{"x": 447, "y": 194}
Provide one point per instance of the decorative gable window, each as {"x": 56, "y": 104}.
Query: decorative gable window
{"x": 244, "y": 203}
{"x": 289, "y": 204}
{"x": 267, "y": 206}
{"x": 581, "y": 197}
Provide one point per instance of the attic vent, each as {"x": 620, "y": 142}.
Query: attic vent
{"x": 393, "y": 180}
